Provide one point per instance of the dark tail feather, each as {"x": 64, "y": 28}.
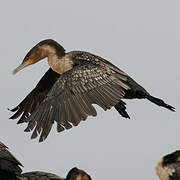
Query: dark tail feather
{"x": 160, "y": 102}
{"x": 121, "y": 108}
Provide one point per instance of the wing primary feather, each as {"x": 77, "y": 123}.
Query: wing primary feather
{"x": 36, "y": 119}
{"x": 62, "y": 112}
{"x": 57, "y": 117}
{"x": 94, "y": 96}
{"x": 74, "y": 111}
{"x": 80, "y": 114}
{"x": 47, "y": 125}
{"x": 31, "y": 121}
{"x": 60, "y": 128}
{"x": 70, "y": 109}
{"x": 14, "y": 109}
{"x": 40, "y": 122}
{"x": 17, "y": 114}
{"x": 87, "y": 97}
{"x": 21, "y": 120}
{"x": 67, "y": 108}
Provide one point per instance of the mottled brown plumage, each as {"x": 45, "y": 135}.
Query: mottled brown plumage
{"x": 168, "y": 167}
{"x": 68, "y": 90}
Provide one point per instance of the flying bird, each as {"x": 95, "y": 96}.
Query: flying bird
{"x": 74, "y": 81}
{"x": 10, "y": 169}
{"x": 168, "y": 167}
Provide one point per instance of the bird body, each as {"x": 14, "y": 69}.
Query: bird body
{"x": 75, "y": 81}
{"x": 10, "y": 170}
{"x": 168, "y": 167}
{"x": 9, "y": 165}
{"x": 40, "y": 175}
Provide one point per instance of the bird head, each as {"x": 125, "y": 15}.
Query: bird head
{"x": 171, "y": 158}
{"x": 77, "y": 174}
{"x": 40, "y": 51}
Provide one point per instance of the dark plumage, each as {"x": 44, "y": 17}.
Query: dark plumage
{"x": 9, "y": 165}
{"x": 77, "y": 174}
{"x": 73, "y": 174}
{"x": 40, "y": 175}
{"x": 168, "y": 167}
{"x": 75, "y": 81}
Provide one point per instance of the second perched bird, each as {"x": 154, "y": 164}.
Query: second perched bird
{"x": 74, "y": 82}
{"x": 168, "y": 167}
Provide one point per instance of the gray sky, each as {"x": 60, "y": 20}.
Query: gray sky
{"x": 142, "y": 38}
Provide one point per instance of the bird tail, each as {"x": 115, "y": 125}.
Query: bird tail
{"x": 159, "y": 102}
{"x": 121, "y": 108}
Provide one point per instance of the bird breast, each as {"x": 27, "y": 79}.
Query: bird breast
{"x": 163, "y": 172}
{"x": 60, "y": 65}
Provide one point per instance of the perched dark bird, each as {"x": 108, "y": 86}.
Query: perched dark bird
{"x": 73, "y": 174}
{"x": 77, "y": 174}
{"x": 74, "y": 82}
{"x": 40, "y": 175}
{"x": 168, "y": 167}
{"x": 10, "y": 170}
{"x": 9, "y": 165}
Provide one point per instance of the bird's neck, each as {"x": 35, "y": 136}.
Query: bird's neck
{"x": 60, "y": 64}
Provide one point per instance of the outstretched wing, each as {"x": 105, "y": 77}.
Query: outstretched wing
{"x": 36, "y": 96}
{"x": 70, "y": 99}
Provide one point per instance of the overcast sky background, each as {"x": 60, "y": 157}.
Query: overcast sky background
{"x": 142, "y": 38}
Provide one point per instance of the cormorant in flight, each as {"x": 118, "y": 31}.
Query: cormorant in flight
{"x": 74, "y": 82}
{"x": 10, "y": 170}
{"x": 168, "y": 167}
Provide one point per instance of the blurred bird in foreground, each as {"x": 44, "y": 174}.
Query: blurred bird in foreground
{"x": 168, "y": 167}
{"x": 74, "y": 82}
{"x": 10, "y": 170}
{"x": 9, "y": 165}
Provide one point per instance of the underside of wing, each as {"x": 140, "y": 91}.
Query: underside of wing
{"x": 35, "y": 97}
{"x": 70, "y": 99}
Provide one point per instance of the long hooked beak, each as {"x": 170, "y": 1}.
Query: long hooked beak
{"x": 23, "y": 65}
